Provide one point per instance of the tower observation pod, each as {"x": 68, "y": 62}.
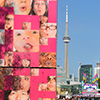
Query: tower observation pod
{"x": 66, "y": 40}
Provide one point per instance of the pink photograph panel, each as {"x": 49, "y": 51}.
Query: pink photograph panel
{"x": 19, "y": 19}
{"x": 41, "y": 79}
{"x": 1, "y": 94}
{"x": 2, "y": 51}
{"x": 8, "y": 40}
{"x": 52, "y": 16}
{"x": 4, "y": 11}
{"x": 51, "y": 47}
{"x": 33, "y": 57}
{"x": 21, "y": 71}
{"x": 8, "y": 83}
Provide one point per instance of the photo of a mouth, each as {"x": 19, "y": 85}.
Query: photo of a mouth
{"x": 48, "y": 63}
{"x": 28, "y": 46}
{"x": 39, "y": 11}
{"x": 21, "y": 87}
{"x": 8, "y": 23}
{"x": 9, "y": 60}
{"x": 26, "y": 27}
{"x": 51, "y": 86}
{"x": 47, "y": 34}
{"x": 23, "y": 8}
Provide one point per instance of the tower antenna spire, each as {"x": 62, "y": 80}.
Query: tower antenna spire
{"x": 66, "y": 40}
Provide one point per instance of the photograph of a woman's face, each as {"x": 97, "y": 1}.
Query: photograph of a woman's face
{"x": 39, "y": 7}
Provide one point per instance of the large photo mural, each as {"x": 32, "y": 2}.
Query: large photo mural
{"x": 28, "y": 38}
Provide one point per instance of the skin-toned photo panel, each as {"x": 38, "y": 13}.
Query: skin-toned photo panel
{"x": 26, "y": 26}
{"x": 39, "y": 7}
{"x": 48, "y": 30}
{"x": 21, "y": 83}
{"x": 47, "y": 60}
{"x": 34, "y": 72}
{"x": 15, "y": 95}
{"x": 9, "y": 22}
{"x": 22, "y": 7}
{"x": 6, "y": 3}
{"x": 28, "y": 39}
{"x": 8, "y": 61}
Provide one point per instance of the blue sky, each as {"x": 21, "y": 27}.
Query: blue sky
{"x": 84, "y": 31}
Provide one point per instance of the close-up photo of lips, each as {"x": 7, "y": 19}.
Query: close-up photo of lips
{"x": 27, "y": 46}
{"x": 47, "y": 60}
{"x": 22, "y": 7}
{"x": 28, "y": 40}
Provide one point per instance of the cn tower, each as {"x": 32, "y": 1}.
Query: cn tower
{"x": 66, "y": 40}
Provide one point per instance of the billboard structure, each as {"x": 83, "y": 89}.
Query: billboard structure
{"x": 90, "y": 88}
{"x": 28, "y": 31}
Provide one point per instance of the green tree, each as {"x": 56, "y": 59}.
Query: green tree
{"x": 99, "y": 84}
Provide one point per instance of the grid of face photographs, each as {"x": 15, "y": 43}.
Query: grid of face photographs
{"x": 28, "y": 31}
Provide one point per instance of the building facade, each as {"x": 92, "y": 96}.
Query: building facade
{"x": 72, "y": 77}
{"x": 87, "y": 69}
{"x": 97, "y": 69}
{"x": 61, "y": 75}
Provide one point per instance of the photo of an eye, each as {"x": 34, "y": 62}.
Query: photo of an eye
{"x": 17, "y": 78}
{"x": 13, "y": 92}
{"x": 44, "y": 54}
{"x": 26, "y": 78}
{"x": 54, "y": 55}
{"x": 18, "y": 34}
{"x": 34, "y": 32}
{"x": 23, "y": 93}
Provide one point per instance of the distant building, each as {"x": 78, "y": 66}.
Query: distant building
{"x": 72, "y": 77}
{"x": 87, "y": 69}
{"x": 76, "y": 79}
{"x": 73, "y": 87}
{"x": 67, "y": 84}
{"x": 97, "y": 69}
{"x": 61, "y": 75}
